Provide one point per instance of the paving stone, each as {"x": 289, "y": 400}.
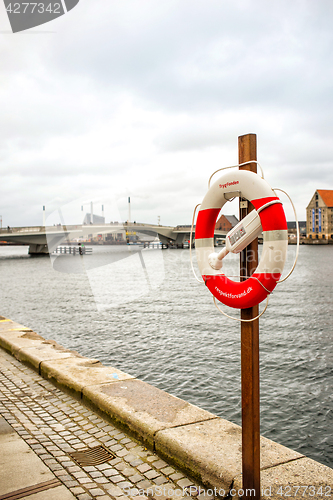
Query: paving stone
{"x": 184, "y": 483}
{"x": 130, "y": 445}
{"x": 95, "y": 474}
{"x": 126, "y": 440}
{"x": 177, "y": 475}
{"x": 114, "y": 491}
{"x": 119, "y": 435}
{"x": 105, "y": 439}
{"x": 151, "y": 474}
{"x": 71, "y": 483}
{"x": 168, "y": 470}
{"x": 109, "y": 428}
{"x": 129, "y": 457}
{"x": 84, "y": 496}
{"x": 143, "y": 468}
{"x": 136, "y": 462}
{"x": 104, "y": 466}
{"x": 66, "y": 463}
{"x": 159, "y": 464}
{"x": 75, "y": 468}
{"x": 125, "y": 484}
{"x": 128, "y": 471}
{"x": 90, "y": 468}
{"x": 159, "y": 480}
{"x": 79, "y": 474}
{"x": 122, "y": 453}
{"x": 102, "y": 480}
{"x": 58, "y": 453}
{"x": 136, "y": 478}
{"x": 115, "y": 461}
{"x": 64, "y": 476}
{"x": 55, "y": 467}
{"x": 110, "y": 472}
{"x": 144, "y": 484}
{"x": 117, "y": 479}
{"x": 59, "y": 473}
{"x": 77, "y": 490}
{"x": 116, "y": 447}
{"x": 96, "y": 491}
{"x": 79, "y": 446}
{"x": 84, "y": 480}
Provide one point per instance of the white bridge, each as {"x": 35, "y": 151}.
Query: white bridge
{"x": 45, "y": 239}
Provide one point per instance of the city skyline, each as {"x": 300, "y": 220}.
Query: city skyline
{"x": 147, "y": 100}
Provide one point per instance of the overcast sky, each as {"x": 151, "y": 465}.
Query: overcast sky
{"x": 146, "y": 98}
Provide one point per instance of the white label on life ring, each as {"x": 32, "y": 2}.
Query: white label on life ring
{"x": 236, "y": 235}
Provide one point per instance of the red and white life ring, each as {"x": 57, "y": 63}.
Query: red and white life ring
{"x": 254, "y": 289}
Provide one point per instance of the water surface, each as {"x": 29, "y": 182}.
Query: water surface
{"x": 149, "y": 317}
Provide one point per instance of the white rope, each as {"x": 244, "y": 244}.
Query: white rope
{"x": 196, "y": 277}
{"x": 236, "y": 166}
{"x": 240, "y": 319}
{"x": 297, "y": 232}
{"x": 268, "y": 205}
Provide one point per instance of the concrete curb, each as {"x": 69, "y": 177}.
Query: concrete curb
{"x": 205, "y": 446}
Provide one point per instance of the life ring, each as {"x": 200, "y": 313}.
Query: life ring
{"x": 273, "y": 223}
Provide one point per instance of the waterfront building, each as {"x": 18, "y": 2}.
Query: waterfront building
{"x": 319, "y": 215}
{"x": 292, "y": 231}
{"x": 226, "y": 222}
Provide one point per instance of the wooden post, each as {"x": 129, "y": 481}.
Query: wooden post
{"x": 247, "y": 151}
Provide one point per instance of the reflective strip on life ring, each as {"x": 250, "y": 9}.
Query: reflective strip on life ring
{"x": 255, "y": 289}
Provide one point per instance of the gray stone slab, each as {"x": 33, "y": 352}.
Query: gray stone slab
{"x": 302, "y": 478}
{"x": 7, "y": 325}
{"x": 4, "y": 323}
{"x": 76, "y": 373}
{"x": 5, "y": 428}
{"x": 14, "y": 337}
{"x": 29, "y": 347}
{"x": 48, "y": 350}
{"x": 19, "y": 466}
{"x": 142, "y": 408}
{"x": 212, "y": 451}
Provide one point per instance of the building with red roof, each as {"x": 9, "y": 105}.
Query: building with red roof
{"x": 319, "y": 215}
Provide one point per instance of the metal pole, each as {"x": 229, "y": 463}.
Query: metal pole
{"x": 247, "y": 151}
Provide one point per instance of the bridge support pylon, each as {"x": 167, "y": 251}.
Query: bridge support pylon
{"x": 35, "y": 249}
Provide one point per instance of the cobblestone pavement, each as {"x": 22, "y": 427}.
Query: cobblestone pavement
{"x": 55, "y": 424}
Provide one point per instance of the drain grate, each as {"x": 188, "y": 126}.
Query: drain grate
{"x": 91, "y": 456}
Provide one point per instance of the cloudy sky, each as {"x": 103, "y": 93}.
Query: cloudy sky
{"x": 146, "y": 98}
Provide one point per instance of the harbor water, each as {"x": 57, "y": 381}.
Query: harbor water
{"x": 143, "y": 312}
